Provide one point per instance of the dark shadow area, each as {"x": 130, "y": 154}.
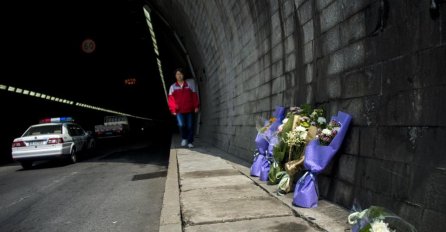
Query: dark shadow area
{"x": 149, "y": 154}
{"x": 50, "y": 60}
{"x": 46, "y": 164}
{"x": 149, "y": 175}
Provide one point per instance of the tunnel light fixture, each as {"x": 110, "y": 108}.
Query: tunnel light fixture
{"x": 64, "y": 101}
{"x": 146, "y": 10}
{"x": 147, "y": 13}
{"x": 156, "y": 50}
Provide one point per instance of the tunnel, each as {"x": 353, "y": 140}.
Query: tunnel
{"x": 381, "y": 61}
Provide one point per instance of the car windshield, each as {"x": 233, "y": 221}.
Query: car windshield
{"x": 44, "y": 130}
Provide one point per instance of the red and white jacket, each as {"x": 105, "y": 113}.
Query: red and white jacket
{"x": 183, "y": 99}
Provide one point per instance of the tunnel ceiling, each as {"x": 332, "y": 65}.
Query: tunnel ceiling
{"x": 44, "y": 53}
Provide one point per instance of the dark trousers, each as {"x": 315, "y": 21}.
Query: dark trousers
{"x": 185, "y": 124}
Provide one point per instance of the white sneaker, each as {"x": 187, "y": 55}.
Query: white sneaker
{"x": 190, "y": 145}
{"x": 183, "y": 142}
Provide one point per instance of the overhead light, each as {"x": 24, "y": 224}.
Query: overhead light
{"x": 62, "y": 100}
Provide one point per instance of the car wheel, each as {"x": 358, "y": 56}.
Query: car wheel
{"x": 26, "y": 164}
{"x": 73, "y": 156}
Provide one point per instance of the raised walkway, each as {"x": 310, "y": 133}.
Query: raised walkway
{"x": 210, "y": 190}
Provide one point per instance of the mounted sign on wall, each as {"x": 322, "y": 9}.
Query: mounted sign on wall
{"x": 88, "y": 46}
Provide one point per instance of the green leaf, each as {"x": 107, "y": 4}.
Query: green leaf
{"x": 307, "y": 109}
{"x": 279, "y": 153}
{"x": 305, "y": 124}
{"x": 366, "y": 228}
{"x": 272, "y": 175}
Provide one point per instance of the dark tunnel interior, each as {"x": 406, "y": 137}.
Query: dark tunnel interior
{"x": 44, "y": 54}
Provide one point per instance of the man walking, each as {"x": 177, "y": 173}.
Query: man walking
{"x": 183, "y": 103}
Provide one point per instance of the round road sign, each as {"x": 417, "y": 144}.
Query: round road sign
{"x": 88, "y": 46}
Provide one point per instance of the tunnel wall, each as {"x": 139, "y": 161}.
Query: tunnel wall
{"x": 383, "y": 64}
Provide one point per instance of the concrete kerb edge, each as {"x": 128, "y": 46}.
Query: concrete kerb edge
{"x": 170, "y": 219}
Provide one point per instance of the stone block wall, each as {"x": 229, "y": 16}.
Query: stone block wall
{"x": 384, "y": 62}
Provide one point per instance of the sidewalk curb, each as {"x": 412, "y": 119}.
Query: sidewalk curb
{"x": 170, "y": 219}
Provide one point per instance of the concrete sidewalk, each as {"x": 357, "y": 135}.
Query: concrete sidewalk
{"x": 210, "y": 190}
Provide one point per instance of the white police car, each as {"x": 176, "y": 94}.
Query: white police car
{"x": 52, "y": 138}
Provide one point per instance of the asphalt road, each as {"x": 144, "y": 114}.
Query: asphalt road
{"x": 119, "y": 187}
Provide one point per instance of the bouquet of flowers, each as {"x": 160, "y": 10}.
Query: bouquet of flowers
{"x": 296, "y": 130}
{"x": 317, "y": 156}
{"x": 265, "y": 133}
{"x": 378, "y": 219}
{"x": 326, "y": 135}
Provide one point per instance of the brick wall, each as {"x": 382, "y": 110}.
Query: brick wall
{"x": 254, "y": 55}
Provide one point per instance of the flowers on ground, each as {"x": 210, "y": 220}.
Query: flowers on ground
{"x": 297, "y": 129}
{"x": 380, "y": 226}
{"x": 378, "y": 219}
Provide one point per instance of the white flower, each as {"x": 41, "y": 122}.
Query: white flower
{"x": 280, "y": 128}
{"x": 313, "y": 114}
{"x": 326, "y": 132}
{"x": 379, "y": 226}
{"x": 285, "y": 121}
{"x": 300, "y": 129}
{"x": 303, "y": 135}
{"x": 321, "y": 120}
{"x": 291, "y": 138}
